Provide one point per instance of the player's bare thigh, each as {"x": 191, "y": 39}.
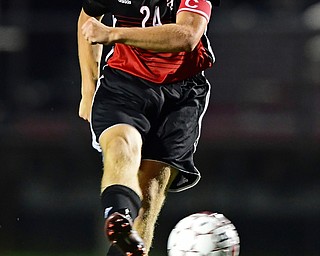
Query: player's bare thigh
{"x": 155, "y": 178}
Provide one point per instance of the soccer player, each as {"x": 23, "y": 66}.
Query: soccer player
{"x": 146, "y": 110}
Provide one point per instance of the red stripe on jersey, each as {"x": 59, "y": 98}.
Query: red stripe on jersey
{"x": 161, "y": 68}
{"x": 201, "y": 7}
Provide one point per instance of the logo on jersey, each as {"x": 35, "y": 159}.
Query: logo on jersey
{"x": 124, "y": 1}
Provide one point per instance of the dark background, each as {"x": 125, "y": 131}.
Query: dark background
{"x": 258, "y": 154}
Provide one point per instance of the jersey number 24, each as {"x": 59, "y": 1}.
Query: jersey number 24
{"x": 156, "y": 17}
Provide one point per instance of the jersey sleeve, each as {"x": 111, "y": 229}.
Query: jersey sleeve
{"x": 95, "y": 8}
{"x": 202, "y": 7}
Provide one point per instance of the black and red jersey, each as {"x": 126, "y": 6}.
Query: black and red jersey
{"x": 157, "y": 67}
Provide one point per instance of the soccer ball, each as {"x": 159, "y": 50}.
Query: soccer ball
{"x": 204, "y": 234}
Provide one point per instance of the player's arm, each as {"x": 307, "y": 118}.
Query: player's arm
{"x": 184, "y": 35}
{"x": 89, "y": 57}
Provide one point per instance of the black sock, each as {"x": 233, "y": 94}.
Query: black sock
{"x": 119, "y": 197}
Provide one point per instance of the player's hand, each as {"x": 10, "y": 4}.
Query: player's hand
{"x": 96, "y": 32}
{"x": 85, "y": 108}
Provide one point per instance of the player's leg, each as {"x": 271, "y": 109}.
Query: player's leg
{"x": 155, "y": 178}
{"x": 175, "y": 148}
{"x": 121, "y": 148}
{"x": 121, "y": 193}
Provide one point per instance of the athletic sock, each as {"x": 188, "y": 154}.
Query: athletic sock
{"x": 117, "y": 198}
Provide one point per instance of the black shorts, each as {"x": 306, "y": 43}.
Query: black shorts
{"x": 168, "y": 117}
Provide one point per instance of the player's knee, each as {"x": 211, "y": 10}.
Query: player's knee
{"x": 123, "y": 149}
{"x": 122, "y": 140}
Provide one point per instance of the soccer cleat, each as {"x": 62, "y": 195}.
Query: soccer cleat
{"x": 118, "y": 228}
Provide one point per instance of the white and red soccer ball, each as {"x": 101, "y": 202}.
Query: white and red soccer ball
{"x": 204, "y": 234}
